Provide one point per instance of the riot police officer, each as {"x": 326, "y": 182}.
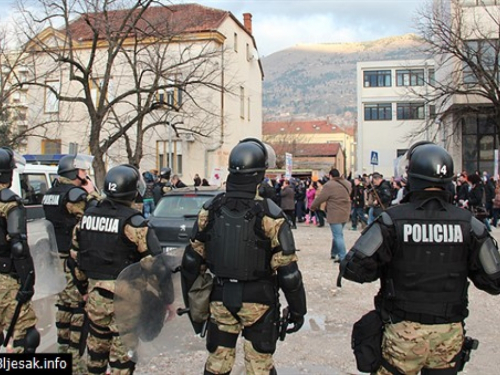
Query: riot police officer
{"x": 64, "y": 205}
{"x": 423, "y": 251}
{"x": 17, "y": 274}
{"x": 247, "y": 243}
{"x": 109, "y": 237}
{"x": 164, "y": 185}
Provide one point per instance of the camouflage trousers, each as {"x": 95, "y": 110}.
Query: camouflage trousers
{"x": 411, "y": 346}
{"x": 104, "y": 343}
{"x": 27, "y": 318}
{"x": 69, "y": 321}
{"x": 221, "y": 360}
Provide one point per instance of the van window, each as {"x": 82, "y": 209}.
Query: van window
{"x": 33, "y": 187}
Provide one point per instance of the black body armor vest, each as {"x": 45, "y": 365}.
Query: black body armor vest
{"x": 104, "y": 249}
{"x": 234, "y": 249}
{"x": 426, "y": 281}
{"x": 54, "y": 205}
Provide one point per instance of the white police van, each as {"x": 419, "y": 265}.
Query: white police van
{"x": 30, "y": 182}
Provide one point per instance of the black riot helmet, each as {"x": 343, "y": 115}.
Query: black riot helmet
{"x": 165, "y": 173}
{"x": 428, "y": 165}
{"x": 123, "y": 183}
{"x": 248, "y": 157}
{"x": 7, "y": 165}
{"x": 70, "y": 164}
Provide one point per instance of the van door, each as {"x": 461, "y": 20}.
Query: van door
{"x": 32, "y": 188}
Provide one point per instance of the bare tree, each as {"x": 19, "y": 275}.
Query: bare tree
{"x": 123, "y": 65}
{"x": 465, "y": 43}
{"x": 16, "y": 122}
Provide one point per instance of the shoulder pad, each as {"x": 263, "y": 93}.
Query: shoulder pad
{"x": 386, "y": 219}
{"x": 138, "y": 221}
{"x": 210, "y": 203}
{"x": 477, "y": 227}
{"x": 370, "y": 241}
{"x": 273, "y": 210}
{"x": 7, "y": 195}
{"x": 77, "y": 194}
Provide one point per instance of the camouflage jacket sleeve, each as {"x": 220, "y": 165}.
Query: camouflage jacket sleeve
{"x": 271, "y": 227}
{"x": 139, "y": 237}
{"x": 197, "y": 241}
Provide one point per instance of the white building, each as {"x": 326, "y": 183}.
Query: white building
{"x": 392, "y": 111}
{"x": 229, "y": 115}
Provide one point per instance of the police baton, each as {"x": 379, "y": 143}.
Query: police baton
{"x": 17, "y": 311}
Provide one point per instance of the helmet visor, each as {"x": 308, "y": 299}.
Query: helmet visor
{"x": 19, "y": 161}
{"x": 402, "y": 164}
{"x": 141, "y": 185}
{"x": 271, "y": 156}
{"x": 83, "y": 161}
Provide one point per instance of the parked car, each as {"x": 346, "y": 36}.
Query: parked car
{"x": 176, "y": 212}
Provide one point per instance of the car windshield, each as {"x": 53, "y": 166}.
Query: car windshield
{"x": 176, "y": 206}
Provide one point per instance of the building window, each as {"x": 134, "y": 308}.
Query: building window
{"x": 176, "y": 156}
{"x": 249, "y": 56}
{"x": 242, "y": 102}
{"x": 51, "y": 101}
{"x": 410, "y": 111}
{"x": 96, "y": 87}
{"x": 432, "y": 77}
{"x": 172, "y": 95}
{"x": 378, "y": 111}
{"x": 248, "y": 108}
{"x": 410, "y": 77}
{"x": 235, "y": 42}
{"x": 483, "y": 53}
{"x": 51, "y": 146}
{"x": 377, "y": 78}
{"x": 432, "y": 111}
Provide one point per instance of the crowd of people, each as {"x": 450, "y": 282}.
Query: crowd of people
{"x": 372, "y": 194}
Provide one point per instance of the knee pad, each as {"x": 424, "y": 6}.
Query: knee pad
{"x": 30, "y": 341}
{"x": 264, "y": 333}
{"x": 216, "y": 337}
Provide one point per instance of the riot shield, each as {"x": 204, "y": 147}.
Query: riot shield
{"x": 49, "y": 273}
{"x": 147, "y": 294}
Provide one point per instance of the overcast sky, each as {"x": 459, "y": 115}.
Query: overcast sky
{"x": 279, "y": 24}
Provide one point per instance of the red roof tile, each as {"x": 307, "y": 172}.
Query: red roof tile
{"x": 303, "y": 127}
{"x": 172, "y": 19}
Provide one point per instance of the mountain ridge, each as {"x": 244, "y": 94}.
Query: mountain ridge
{"x": 319, "y": 80}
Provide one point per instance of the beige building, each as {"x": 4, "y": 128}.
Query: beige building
{"x": 392, "y": 111}
{"x": 316, "y": 145}
{"x": 208, "y": 121}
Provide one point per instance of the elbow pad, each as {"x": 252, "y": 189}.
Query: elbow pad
{"x": 153, "y": 242}
{"x": 285, "y": 238}
{"x": 489, "y": 259}
{"x": 290, "y": 281}
{"x": 190, "y": 269}
{"x": 16, "y": 223}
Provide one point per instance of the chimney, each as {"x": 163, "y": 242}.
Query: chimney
{"x": 247, "y": 21}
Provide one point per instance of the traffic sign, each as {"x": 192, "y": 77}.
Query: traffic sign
{"x": 374, "y": 158}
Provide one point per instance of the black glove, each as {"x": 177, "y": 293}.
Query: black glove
{"x": 297, "y": 321}
{"x": 24, "y": 296}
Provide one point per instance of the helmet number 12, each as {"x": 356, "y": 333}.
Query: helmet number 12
{"x": 441, "y": 169}
{"x": 112, "y": 186}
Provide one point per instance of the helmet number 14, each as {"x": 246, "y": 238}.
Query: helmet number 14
{"x": 441, "y": 169}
